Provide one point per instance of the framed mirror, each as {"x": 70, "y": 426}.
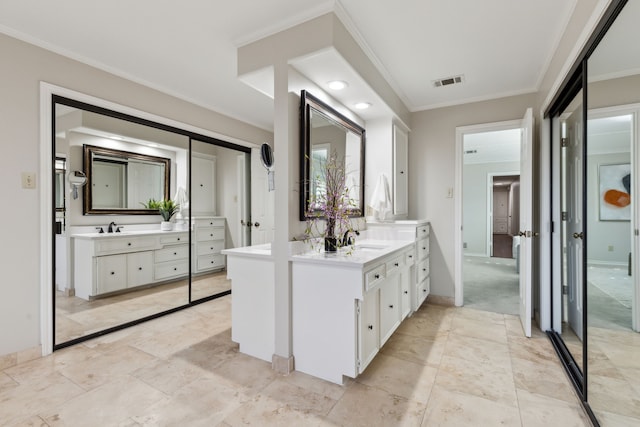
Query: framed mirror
{"x": 120, "y": 181}
{"x": 324, "y": 133}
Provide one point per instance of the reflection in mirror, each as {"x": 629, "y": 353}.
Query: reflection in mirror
{"x": 324, "y": 132}
{"x": 107, "y": 279}
{"x": 570, "y": 126}
{"x": 215, "y": 198}
{"x": 120, "y": 180}
{"x": 613, "y": 288}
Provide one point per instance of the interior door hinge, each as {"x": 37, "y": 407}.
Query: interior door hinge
{"x": 565, "y": 216}
{"x": 564, "y": 142}
{"x": 637, "y": 232}
{"x": 565, "y": 290}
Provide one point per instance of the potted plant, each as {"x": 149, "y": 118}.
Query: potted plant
{"x": 166, "y": 208}
{"x": 330, "y": 203}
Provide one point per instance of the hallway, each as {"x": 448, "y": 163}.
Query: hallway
{"x": 444, "y": 366}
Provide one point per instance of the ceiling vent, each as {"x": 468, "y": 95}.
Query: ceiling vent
{"x": 448, "y": 81}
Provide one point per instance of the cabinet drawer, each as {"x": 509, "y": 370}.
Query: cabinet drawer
{"x": 410, "y": 257}
{"x": 423, "y": 248}
{"x": 206, "y": 262}
{"x": 209, "y": 233}
{"x": 125, "y": 244}
{"x": 209, "y": 222}
{"x": 374, "y": 276}
{"x": 171, "y": 269}
{"x": 394, "y": 264}
{"x": 212, "y": 247}
{"x": 422, "y": 291}
{"x": 174, "y": 238}
{"x": 423, "y": 270}
{"x": 422, "y": 232}
{"x": 172, "y": 253}
{"x": 139, "y": 268}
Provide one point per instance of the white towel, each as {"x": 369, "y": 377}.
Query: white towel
{"x": 381, "y": 198}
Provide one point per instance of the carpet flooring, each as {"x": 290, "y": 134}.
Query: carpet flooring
{"x": 491, "y": 284}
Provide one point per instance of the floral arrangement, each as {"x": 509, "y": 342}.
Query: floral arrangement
{"x": 330, "y": 202}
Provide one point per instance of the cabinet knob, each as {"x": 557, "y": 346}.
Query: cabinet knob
{"x": 424, "y": 290}
{"x": 211, "y": 248}
{"x": 211, "y": 234}
{"x": 410, "y": 256}
{"x": 201, "y": 185}
{"x": 178, "y": 239}
{"x": 396, "y": 264}
{"x": 140, "y": 268}
{"x": 406, "y": 292}
{"x": 424, "y": 249}
{"x": 175, "y": 268}
{"x": 113, "y": 272}
{"x": 424, "y": 269}
{"x": 129, "y": 244}
{"x": 370, "y": 327}
{"x": 377, "y": 276}
{"x": 390, "y": 305}
{"x": 401, "y": 172}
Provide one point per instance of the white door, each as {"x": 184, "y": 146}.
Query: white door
{"x": 526, "y": 220}
{"x": 262, "y": 202}
{"x": 574, "y": 222}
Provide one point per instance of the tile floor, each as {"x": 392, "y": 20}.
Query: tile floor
{"x": 444, "y": 366}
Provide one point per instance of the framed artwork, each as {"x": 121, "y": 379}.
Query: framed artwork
{"x": 615, "y": 192}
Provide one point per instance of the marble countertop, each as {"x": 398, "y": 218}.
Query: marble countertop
{"x": 105, "y": 235}
{"x": 255, "y": 251}
{"x": 365, "y": 252}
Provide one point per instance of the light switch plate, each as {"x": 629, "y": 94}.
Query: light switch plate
{"x": 28, "y": 180}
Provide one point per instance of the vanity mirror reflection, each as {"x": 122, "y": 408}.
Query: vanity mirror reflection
{"x": 105, "y": 281}
{"x": 323, "y": 132}
{"x": 123, "y": 182}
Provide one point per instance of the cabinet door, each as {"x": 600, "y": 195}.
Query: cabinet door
{"x": 405, "y": 293}
{"x": 400, "y": 171}
{"x": 389, "y": 307}
{"x": 369, "y": 329}
{"x": 203, "y": 178}
{"x": 139, "y": 268}
{"x": 111, "y": 273}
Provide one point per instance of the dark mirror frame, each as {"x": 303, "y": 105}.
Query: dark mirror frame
{"x": 90, "y": 150}
{"x": 309, "y": 103}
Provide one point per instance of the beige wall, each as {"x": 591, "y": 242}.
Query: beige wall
{"x": 23, "y": 67}
{"x": 432, "y": 172}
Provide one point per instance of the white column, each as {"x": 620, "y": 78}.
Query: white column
{"x": 283, "y": 358}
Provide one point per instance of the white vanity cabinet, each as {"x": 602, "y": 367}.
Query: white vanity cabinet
{"x": 344, "y": 310}
{"x": 209, "y": 236}
{"x": 419, "y": 282}
{"x": 106, "y": 263}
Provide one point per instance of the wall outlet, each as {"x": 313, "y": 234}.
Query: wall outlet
{"x": 450, "y": 193}
{"x": 28, "y": 180}
{"x": 610, "y": 248}
{"x": 464, "y": 245}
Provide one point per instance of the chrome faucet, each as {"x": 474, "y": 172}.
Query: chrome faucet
{"x": 349, "y": 240}
{"x": 111, "y": 225}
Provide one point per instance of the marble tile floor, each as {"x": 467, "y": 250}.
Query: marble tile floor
{"x": 444, "y": 366}
{"x": 76, "y": 317}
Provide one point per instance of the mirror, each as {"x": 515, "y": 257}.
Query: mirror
{"x": 325, "y": 132}
{"x": 266, "y": 155}
{"x": 612, "y": 284}
{"x": 120, "y": 180}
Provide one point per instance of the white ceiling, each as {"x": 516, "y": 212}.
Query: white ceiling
{"x": 188, "y": 49}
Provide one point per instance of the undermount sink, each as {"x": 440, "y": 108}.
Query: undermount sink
{"x": 370, "y": 247}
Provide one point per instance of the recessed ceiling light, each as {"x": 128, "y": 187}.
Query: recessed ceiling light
{"x": 337, "y": 84}
{"x": 363, "y": 105}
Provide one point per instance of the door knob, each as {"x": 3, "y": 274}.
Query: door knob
{"x": 256, "y": 224}
{"x": 522, "y": 233}
{"x": 578, "y": 235}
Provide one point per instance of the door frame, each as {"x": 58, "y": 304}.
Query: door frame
{"x": 461, "y": 131}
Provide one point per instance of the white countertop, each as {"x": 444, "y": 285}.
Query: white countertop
{"x": 255, "y": 251}
{"x": 365, "y": 252}
{"x": 123, "y": 234}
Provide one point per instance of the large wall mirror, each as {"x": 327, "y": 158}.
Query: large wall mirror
{"x": 123, "y": 182}
{"x": 325, "y": 133}
{"x": 115, "y": 265}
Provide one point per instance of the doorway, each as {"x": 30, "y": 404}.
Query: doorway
{"x": 490, "y": 171}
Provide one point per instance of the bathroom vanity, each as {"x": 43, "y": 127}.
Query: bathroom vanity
{"x": 111, "y": 262}
{"x": 346, "y": 306}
